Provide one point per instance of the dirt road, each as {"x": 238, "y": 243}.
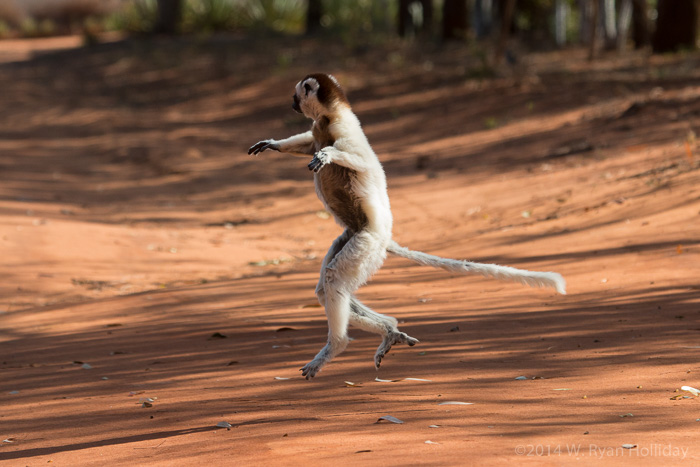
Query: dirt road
{"x": 157, "y": 280}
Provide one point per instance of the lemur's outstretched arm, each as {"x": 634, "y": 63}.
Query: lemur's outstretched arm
{"x": 297, "y": 145}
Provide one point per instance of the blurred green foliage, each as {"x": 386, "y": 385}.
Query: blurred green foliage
{"x": 342, "y": 18}
{"x": 354, "y": 22}
{"x": 208, "y": 16}
{"x": 136, "y": 16}
{"x": 284, "y": 16}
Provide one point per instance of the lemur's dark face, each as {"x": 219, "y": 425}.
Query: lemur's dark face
{"x": 305, "y": 97}
{"x": 295, "y": 104}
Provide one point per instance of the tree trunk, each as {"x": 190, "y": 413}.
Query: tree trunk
{"x": 640, "y": 24}
{"x": 676, "y": 25}
{"x": 624, "y": 19}
{"x": 593, "y": 29}
{"x": 561, "y": 11}
{"x": 405, "y": 19}
{"x": 507, "y": 12}
{"x": 314, "y": 13}
{"x": 454, "y": 19}
{"x": 608, "y": 13}
{"x": 407, "y": 22}
{"x": 584, "y": 24}
{"x": 427, "y": 16}
{"x": 483, "y": 18}
{"x": 169, "y": 17}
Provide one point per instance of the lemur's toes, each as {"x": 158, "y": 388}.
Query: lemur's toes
{"x": 402, "y": 337}
{"x": 411, "y": 341}
{"x": 307, "y": 373}
{"x": 310, "y": 369}
{"x": 378, "y": 359}
{"x": 389, "y": 341}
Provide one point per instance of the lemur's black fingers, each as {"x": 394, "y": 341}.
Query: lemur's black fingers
{"x": 255, "y": 149}
{"x": 261, "y": 146}
{"x": 315, "y": 164}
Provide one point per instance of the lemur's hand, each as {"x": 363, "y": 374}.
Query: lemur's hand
{"x": 320, "y": 159}
{"x": 260, "y": 146}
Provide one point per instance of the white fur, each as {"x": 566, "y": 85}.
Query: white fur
{"x": 355, "y": 256}
{"x": 352, "y": 150}
{"x": 504, "y": 273}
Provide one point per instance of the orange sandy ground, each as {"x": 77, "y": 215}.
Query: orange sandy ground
{"x": 134, "y": 226}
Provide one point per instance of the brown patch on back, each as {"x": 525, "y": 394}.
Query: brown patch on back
{"x": 329, "y": 90}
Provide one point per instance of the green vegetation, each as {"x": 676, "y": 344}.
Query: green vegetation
{"x": 664, "y": 25}
{"x": 345, "y": 18}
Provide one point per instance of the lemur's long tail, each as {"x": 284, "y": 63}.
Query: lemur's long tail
{"x": 504, "y": 273}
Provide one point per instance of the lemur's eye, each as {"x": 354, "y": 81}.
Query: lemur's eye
{"x": 307, "y": 86}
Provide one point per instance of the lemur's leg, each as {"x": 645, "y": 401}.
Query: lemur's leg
{"x": 335, "y": 248}
{"x": 325, "y": 354}
{"x": 360, "y": 257}
{"x": 361, "y": 315}
{"x": 369, "y": 320}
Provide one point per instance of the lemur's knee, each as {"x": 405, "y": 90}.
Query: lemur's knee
{"x": 333, "y": 283}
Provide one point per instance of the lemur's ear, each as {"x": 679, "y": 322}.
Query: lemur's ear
{"x": 307, "y": 87}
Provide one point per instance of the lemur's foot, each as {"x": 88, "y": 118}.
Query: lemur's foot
{"x": 394, "y": 337}
{"x": 310, "y": 369}
{"x": 319, "y": 160}
{"x": 263, "y": 145}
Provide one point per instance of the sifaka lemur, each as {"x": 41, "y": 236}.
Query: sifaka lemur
{"x": 351, "y": 183}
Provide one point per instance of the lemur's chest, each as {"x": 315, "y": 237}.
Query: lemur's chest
{"x": 334, "y": 184}
{"x": 322, "y": 133}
